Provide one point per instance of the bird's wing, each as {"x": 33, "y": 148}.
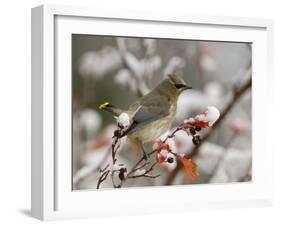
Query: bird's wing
{"x": 151, "y": 109}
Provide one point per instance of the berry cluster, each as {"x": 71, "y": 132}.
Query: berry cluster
{"x": 194, "y": 133}
{"x": 163, "y": 152}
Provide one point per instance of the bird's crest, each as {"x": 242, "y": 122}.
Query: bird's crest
{"x": 176, "y": 79}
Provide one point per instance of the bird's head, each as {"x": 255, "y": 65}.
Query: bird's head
{"x": 175, "y": 85}
{"x": 178, "y": 83}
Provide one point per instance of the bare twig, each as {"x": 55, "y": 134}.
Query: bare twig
{"x": 146, "y": 173}
{"x": 102, "y": 178}
{"x": 173, "y": 133}
{"x": 137, "y": 166}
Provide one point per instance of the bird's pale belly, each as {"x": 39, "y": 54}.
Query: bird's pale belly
{"x": 153, "y": 130}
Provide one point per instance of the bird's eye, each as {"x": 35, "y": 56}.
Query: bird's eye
{"x": 179, "y": 86}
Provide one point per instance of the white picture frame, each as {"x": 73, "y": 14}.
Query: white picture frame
{"x": 52, "y": 195}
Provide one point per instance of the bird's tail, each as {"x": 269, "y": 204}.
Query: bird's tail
{"x": 110, "y": 108}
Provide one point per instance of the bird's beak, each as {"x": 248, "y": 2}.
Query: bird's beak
{"x": 187, "y": 87}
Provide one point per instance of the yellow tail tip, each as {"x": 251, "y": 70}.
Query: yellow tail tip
{"x": 104, "y": 105}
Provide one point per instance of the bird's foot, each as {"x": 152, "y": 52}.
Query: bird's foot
{"x": 145, "y": 156}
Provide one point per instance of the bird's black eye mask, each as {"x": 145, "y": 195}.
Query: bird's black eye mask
{"x": 179, "y": 86}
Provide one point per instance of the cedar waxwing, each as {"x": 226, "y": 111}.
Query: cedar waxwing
{"x": 151, "y": 115}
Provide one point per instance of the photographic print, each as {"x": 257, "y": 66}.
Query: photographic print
{"x": 159, "y": 112}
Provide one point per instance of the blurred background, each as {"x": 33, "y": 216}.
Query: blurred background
{"x": 119, "y": 70}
